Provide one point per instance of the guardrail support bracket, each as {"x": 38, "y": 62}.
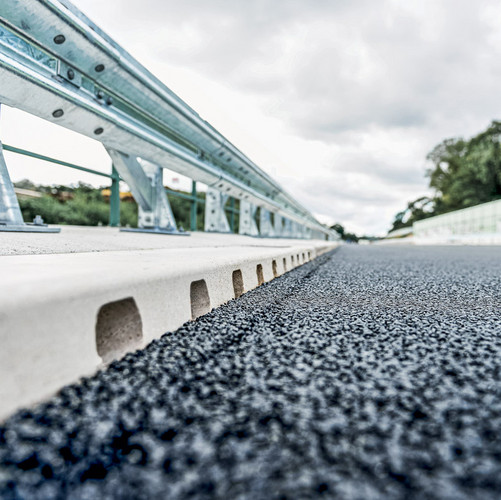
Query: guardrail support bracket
{"x": 265, "y": 226}
{"x": 278, "y": 225}
{"x": 247, "y": 222}
{"x": 146, "y": 184}
{"x": 287, "y": 229}
{"x": 11, "y": 218}
{"x": 215, "y": 216}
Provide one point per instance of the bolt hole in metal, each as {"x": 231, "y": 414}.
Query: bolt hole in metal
{"x": 199, "y": 297}
{"x": 99, "y": 68}
{"x": 99, "y": 131}
{"x": 119, "y": 329}
{"x": 274, "y": 268}
{"x": 58, "y": 113}
{"x": 260, "y": 275}
{"x": 238, "y": 283}
{"x": 285, "y": 264}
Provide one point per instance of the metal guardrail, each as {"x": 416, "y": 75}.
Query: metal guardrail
{"x": 56, "y": 64}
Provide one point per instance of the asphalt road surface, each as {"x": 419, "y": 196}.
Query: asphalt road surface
{"x": 372, "y": 372}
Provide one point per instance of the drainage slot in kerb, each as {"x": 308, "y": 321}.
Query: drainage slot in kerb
{"x": 238, "y": 283}
{"x": 119, "y": 329}
{"x": 285, "y": 264}
{"x": 274, "y": 268}
{"x": 260, "y": 276}
{"x": 199, "y": 296}
{"x": 309, "y": 255}
{"x": 292, "y": 260}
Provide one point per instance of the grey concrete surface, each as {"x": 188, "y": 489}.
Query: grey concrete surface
{"x": 370, "y": 373}
{"x": 79, "y": 239}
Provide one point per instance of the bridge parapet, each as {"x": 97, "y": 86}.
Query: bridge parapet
{"x": 58, "y": 65}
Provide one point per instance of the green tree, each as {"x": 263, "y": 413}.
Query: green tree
{"x": 338, "y": 228}
{"x": 464, "y": 173}
{"x": 467, "y": 173}
{"x": 421, "y": 208}
{"x": 344, "y": 235}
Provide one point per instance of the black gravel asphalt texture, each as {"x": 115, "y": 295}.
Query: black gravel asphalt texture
{"x": 370, "y": 373}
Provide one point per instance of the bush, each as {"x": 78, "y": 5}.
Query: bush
{"x": 84, "y": 205}
{"x": 85, "y": 209}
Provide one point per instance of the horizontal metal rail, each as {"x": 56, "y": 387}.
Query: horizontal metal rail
{"x": 56, "y": 64}
{"x": 114, "y": 194}
{"x": 31, "y": 154}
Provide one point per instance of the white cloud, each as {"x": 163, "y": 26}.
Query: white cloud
{"x": 339, "y": 100}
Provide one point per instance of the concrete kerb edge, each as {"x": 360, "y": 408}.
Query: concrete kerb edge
{"x": 55, "y": 336}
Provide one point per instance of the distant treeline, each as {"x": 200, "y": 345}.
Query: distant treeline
{"x": 345, "y": 236}
{"x": 465, "y": 173}
{"x": 85, "y": 205}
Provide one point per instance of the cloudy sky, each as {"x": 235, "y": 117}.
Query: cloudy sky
{"x": 339, "y": 100}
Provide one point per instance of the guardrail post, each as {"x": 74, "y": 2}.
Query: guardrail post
{"x": 146, "y": 184}
{"x": 10, "y": 213}
{"x": 215, "y": 216}
{"x": 115, "y": 198}
{"x": 288, "y": 231}
{"x": 247, "y": 221}
{"x": 193, "y": 213}
{"x": 265, "y": 225}
{"x": 232, "y": 216}
{"x": 11, "y": 218}
{"x": 298, "y": 230}
{"x": 278, "y": 225}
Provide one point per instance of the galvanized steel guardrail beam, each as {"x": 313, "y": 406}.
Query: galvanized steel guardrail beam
{"x": 58, "y": 65}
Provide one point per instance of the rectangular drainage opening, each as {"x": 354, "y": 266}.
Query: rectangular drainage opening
{"x": 238, "y": 283}
{"x": 260, "y": 275}
{"x": 119, "y": 329}
{"x": 199, "y": 297}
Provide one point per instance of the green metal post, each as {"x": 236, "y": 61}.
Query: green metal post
{"x": 232, "y": 218}
{"x": 115, "y": 198}
{"x": 193, "y": 205}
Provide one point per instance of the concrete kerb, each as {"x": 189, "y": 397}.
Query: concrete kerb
{"x": 57, "y": 309}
